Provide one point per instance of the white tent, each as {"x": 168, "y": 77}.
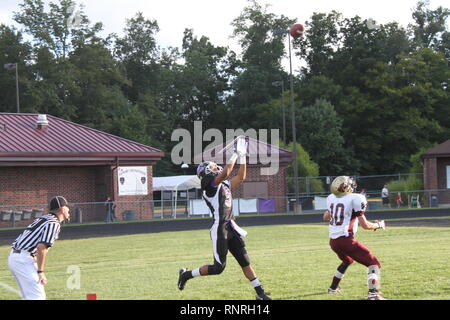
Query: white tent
{"x": 176, "y": 183}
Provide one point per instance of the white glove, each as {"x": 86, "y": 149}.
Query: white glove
{"x": 381, "y": 224}
{"x": 241, "y": 149}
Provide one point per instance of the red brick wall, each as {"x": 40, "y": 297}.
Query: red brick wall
{"x": 276, "y": 184}
{"x": 430, "y": 174}
{"x": 32, "y": 187}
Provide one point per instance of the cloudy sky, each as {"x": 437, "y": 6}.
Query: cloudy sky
{"x": 212, "y": 18}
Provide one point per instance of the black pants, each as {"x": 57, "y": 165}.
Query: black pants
{"x": 224, "y": 239}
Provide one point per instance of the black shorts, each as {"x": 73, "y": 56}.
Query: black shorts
{"x": 226, "y": 239}
{"x": 385, "y": 200}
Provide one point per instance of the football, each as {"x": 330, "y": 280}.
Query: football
{"x": 297, "y": 30}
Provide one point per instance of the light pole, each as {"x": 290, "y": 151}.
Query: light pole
{"x": 277, "y": 84}
{"x": 296, "y": 30}
{"x": 11, "y": 66}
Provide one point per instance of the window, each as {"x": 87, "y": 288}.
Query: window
{"x": 448, "y": 177}
{"x": 256, "y": 189}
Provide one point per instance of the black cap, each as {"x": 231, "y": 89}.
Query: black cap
{"x": 57, "y": 202}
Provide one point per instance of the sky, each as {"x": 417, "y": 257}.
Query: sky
{"x": 212, "y": 18}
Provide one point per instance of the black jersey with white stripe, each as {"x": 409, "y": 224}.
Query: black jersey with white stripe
{"x": 218, "y": 198}
{"x": 44, "y": 229}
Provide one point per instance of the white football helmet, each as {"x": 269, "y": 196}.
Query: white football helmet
{"x": 342, "y": 186}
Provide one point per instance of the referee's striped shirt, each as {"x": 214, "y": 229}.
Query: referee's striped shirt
{"x": 44, "y": 230}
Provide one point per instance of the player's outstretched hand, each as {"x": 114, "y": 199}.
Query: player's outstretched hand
{"x": 241, "y": 147}
{"x": 381, "y": 224}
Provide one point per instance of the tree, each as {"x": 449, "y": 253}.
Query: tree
{"x": 14, "y": 50}
{"x": 320, "y": 133}
{"x": 429, "y": 26}
{"x": 320, "y": 45}
{"x": 138, "y": 52}
{"x": 261, "y": 60}
{"x": 408, "y": 109}
{"x": 97, "y": 91}
{"x": 54, "y": 29}
{"x": 306, "y": 168}
{"x": 203, "y": 81}
{"x": 55, "y": 38}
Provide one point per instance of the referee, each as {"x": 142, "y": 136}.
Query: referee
{"x": 29, "y": 251}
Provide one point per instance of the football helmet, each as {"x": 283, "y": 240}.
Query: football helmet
{"x": 342, "y": 186}
{"x": 208, "y": 168}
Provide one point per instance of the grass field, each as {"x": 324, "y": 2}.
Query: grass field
{"x": 294, "y": 262}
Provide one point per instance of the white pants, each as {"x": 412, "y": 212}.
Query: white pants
{"x": 24, "y": 268}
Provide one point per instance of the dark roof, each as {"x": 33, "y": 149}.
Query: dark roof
{"x": 256, "y": 149}
{"x": 441, "y": 150}
{"x": 65, "y": 143}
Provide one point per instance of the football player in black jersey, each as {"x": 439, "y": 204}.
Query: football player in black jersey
{"x": 226, "y": 235}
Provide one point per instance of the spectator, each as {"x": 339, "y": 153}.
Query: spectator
{"x": 385, "y": 196}
{"x": 110, "y": 206}
{"x": 398, "y": 200}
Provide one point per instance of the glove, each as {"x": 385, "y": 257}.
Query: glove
{"x": 241, "y": 149}
{"x": 381, "y": 225}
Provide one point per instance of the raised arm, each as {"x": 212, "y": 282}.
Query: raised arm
{"x": 241, "y": 175}
{"x": 227, "y": 170}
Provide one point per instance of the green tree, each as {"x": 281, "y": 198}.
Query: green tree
{"x": 320, "y": 45}
{"x": 55, "y": 38}
{"x": 98, "y": 80}
{"x": 53, "y": 29}
{"x": 320, "y": 131}
{"x": 429, "y": 26}
{"x": 203, "y": 82}
{"x": 13, "y": 49}
{"x": 261, "y": 60}
{"x": 138, "y": 52}
{"x": 306, "y": 168}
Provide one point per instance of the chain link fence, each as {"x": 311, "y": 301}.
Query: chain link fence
{"x": 371, "y": 184}
{"x": 95, "y": 212}
{"x": 312, "y": 198}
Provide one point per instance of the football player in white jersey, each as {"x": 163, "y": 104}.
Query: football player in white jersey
{"x": 345, "y": 210}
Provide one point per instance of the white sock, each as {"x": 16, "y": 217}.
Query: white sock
{"x": 196, "y": 272}
{"x": 255, "y": 283}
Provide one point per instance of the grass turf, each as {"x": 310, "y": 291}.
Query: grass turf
{"x": 293, "y": 262}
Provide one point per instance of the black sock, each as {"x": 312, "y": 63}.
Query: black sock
{"x": 339, "y": 275}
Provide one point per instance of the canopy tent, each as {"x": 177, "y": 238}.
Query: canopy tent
{"x": 176, "y": 183}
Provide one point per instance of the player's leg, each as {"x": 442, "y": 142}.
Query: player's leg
{"x": 363, "y": 255}
{"x": 220, "y": 250}
{"x": 338, "y": 276}
{"x": 236, "y": 246}
{"x": 340, "y": 247}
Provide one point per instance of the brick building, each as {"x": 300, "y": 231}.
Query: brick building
{"x": 42, "y": 156}
{"x": 436, "y": 171}
{"x": 266, "y": 170}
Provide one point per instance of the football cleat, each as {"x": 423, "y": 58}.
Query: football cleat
{"x": 334, "y": 291}
{"x": 182, "y": 278}
{"x": 375, "y": 295}
{"x": 263, "y": 296}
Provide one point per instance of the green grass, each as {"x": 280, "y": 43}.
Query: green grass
{"x": 294, "y": 262}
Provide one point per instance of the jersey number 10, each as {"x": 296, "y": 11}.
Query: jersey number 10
{"x": 337, "y": 214}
